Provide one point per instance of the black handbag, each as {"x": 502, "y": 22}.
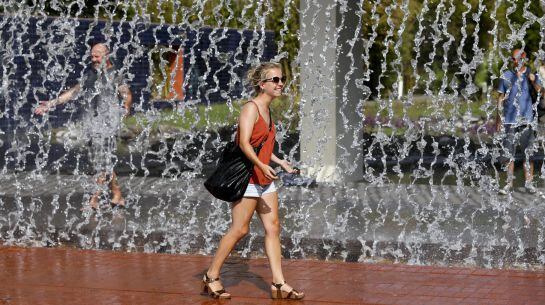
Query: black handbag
{"x": 232, "y": 175}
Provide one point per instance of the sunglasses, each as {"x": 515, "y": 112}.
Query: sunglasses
{"x": 275, "y": 79}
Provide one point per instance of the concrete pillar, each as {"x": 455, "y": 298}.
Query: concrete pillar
{"x": 332, "y": 90}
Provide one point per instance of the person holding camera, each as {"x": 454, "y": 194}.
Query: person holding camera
{"x": 516, "y": 115}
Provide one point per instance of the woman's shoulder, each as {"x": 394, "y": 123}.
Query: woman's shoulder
{"x": 249, "y": 109}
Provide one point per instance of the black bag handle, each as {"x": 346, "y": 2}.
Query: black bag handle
{"x": 270, "y": 126}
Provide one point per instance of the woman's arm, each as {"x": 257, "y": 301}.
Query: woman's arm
{"x": 276, "y": 160}
{"x": 247, "y": 119}
{"x": 285, "y": 164}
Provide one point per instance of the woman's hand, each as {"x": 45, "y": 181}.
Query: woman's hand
{"x": 268, "y": 172}
{"x": 286, "y": 166}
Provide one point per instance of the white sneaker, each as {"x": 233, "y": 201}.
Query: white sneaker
{"x": 505, "y": 190}
{"x": 530, "y": 188}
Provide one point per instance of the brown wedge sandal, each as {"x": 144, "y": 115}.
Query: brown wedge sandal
{"x": 218, "y": 294}
{"x": 278, "y": 293}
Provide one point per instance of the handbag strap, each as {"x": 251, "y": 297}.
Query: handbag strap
{"x": 270, "y": 125}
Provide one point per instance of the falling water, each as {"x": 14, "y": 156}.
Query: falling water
{"x": 418, "y": 136}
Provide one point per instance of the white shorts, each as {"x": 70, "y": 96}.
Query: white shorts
{"x": 257, "y": 190}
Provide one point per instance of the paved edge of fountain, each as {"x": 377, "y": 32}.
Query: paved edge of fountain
{"x": 304, "y": 248}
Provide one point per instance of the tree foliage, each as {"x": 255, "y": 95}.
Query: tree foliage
{"x": 447, "y": 45}
{"x": 435, "y": 46}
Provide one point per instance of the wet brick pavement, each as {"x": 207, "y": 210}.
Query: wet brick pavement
{"x": 73, "y": 276}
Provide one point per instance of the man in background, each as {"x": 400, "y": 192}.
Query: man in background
{"x": 515, "y": 115}
{"x": 106, "y": 99}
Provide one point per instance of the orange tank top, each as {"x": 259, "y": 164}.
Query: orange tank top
{"x": 259, "y": 133}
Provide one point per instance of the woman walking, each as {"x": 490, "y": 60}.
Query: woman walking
{"x": 255, "y": 127}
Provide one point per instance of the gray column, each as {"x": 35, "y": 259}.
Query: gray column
{"x": 332, "y": 90}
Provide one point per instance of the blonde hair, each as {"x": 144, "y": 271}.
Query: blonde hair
{"x": 258, "y": 73}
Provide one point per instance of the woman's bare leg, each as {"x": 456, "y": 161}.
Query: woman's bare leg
{"x": 242, "y": 212}
{"x": 267, "y": 208}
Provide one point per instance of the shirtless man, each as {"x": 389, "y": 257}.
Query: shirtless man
{"x": 106, "y": 99}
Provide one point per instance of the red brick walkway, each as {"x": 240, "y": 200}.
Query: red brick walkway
{"x": 70, "y": 276}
